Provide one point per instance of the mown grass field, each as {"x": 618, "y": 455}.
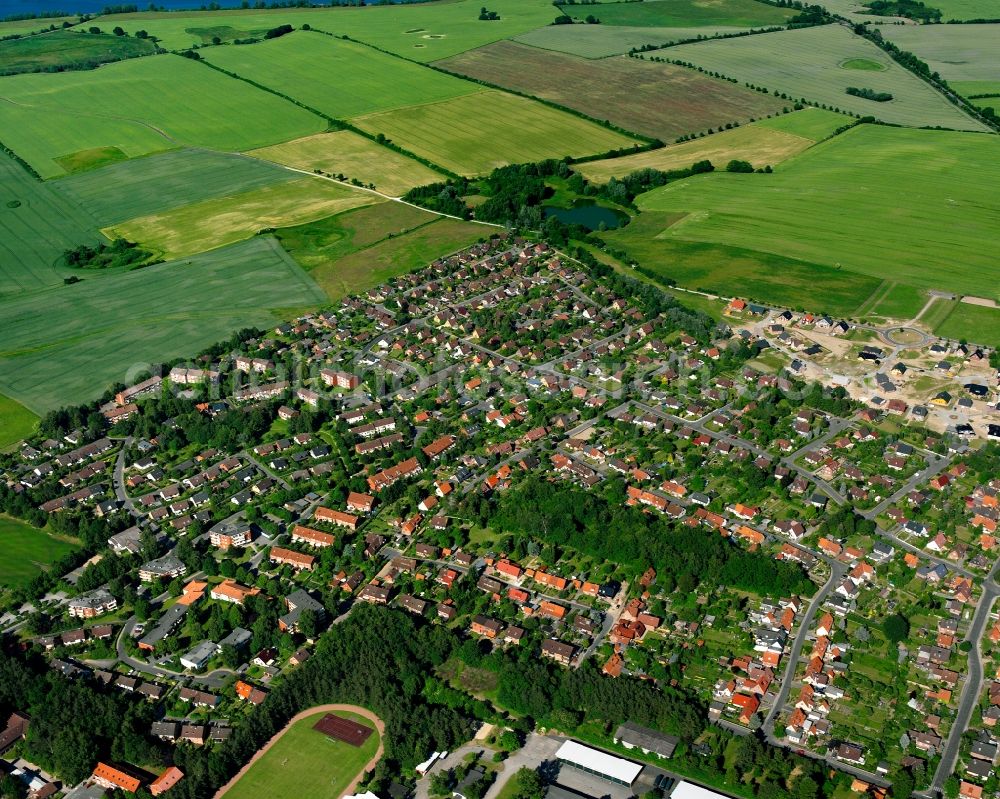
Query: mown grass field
{"x": 916, "y": 207}
{"x": 27, "y": 551}
{"x": 657, "y": 100}
{"x": 421, "y": 31}
{"x": 473, "y": 134}
{"x": 807, "y": 63}
{"x": 142, "y": 106}
{"x": 160, "y": 182}
{"x": 219, "y": 221}
{"x": 358, "y": 249}
{"x": 600, "y": 41}
{"x": 323, "y": 767}
{"x": 37, "y": 225}
{"x": 66, "y": 344}
{"x": 346, "y": 153}
{"x": 68, "y": 49}
{"x": 975, "y": 323}
{"x": 342, "y": 79}
{"x": 684, "y": 13}
{"x": 16, "y": 422}
{"x": 957, "y": 52}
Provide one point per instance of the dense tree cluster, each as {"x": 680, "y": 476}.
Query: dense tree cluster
{"x": 118, "y": 254}
{"x": 869, "y": 94}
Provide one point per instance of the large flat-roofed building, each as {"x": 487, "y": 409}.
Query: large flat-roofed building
{"x": 688, "y": 790}
{"x": 602, "y": 764}
{"x": 648, "y": 741}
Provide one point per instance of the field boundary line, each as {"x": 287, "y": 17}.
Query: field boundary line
{"x": 357, "y": 709}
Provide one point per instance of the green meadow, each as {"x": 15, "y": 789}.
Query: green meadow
{"x": 600, "y": 41}
{"x": 916, "y": 207}
{"x": 27, "y": 551}
{"x": 684, "y": 13}
{"x": 141, "y": 106}
{"x": 339, "y": 78}
{"x": 967, "y": 9}
{"x": 972, "y": 322}
{"x": 957, "y": 52}
{"x": 16, "y": 422}
{"x": 68, "y": 49}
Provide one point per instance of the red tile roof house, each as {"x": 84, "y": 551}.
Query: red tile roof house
{"x": 112, "y": 777}
{"x": 337, "y": 517}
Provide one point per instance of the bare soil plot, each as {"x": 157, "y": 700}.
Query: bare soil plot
{"x": 658, "y": 100}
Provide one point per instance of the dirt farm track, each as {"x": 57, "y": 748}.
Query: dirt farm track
{"x": 379, "y": 726}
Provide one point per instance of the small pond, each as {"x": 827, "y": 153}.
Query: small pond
{"x": 587, "y": 215}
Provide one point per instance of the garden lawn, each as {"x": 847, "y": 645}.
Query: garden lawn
{"x": 27, "y": 551}
{"x": 661, "y": 101}
{"x": 923, "y": 202}
{"x": 421, "y": 31}
{"x": 807, "y": 63}
{"x": 473, "y": 134}
{"x": 141, "y": 106}
{"x": 66, "y": 344}
{"x": 600, "y": 41}
{"x": 346, "y": 153}
{"x": 305, "y": 763}
{"x": 16, "y": 422}
{"x": 68, "y": 49}
{"x": 684, "y": 13}
{"x": 164, "y": 181}
{"x": 339, "y": 78}
{"x": 219, "y": 221}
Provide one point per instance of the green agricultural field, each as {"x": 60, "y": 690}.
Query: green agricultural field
{"x": 344, "y": 152}
{"x": 64, "y": 345}
{"x": 473, "y": 134}
{"x": 313, "y": 69}
{"x": 16, "y": 422}
{"x": 160, "y": 182}
{"x": 141, "y": 106}
{"x": 219, "y": 221}
{"x": 22, "y": 27}
{"x": 957, "y": 52}
{"x": 27, "y": 551}
{"x": 973, "y": 88}
{"x": 814, "y": 124}
{"x": 758, "y": 145}
{"x": 358, "y": 249}
{"x": 818, "y": 54}
{"x": 68, "y": 49}
{"x": 923, "y": 202}
{"x": 657, "y": 100}
{"x": 600, "y": 41}
{"x": 684, "y": 13}
{"x": 967, "y": 9}
{"x": 421, "y": 31}
{"x": 973, "y": 322}
{"x": 323, "y": 767}
{"x": 37, "y": 225}
{"x": 898, "y": 301}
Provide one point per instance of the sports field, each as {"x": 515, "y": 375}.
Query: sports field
{"x": 160, "y": 182}
{"x": 600, "y": 41}
{"x": 37, "y": 225}
{"x": 27, "y": 551}
{"x": 219, "y": 221}
{"x": 473, "y": 134}
{"x": 808, "y": 63}
{"x": 16, "y": 422}
{"x": 341, "y": 79}
{"x": 65, "y": 344}
{"x": 974, "y": 323}
{"x": 923, "y": 202}
{"x": 141, "y": 106}
{"x": 957, "y": 52}
{"x": 349, "y": 154}
{"x": 658, "y": 100}
{"x": 68, "y": 49}
{"x": 684, "y": 13}
{"x": 421, "y": 31}
{"x": 760, "y": 145}
{"x": 358, "y": 249}
{"x": 304, "y": 762}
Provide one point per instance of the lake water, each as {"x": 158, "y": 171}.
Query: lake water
{"x": 587, "y": 215}
{"x": 13, "y": 7}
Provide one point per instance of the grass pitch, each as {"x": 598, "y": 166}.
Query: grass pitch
{"x": 141, "y": 106}
{"x": 473, "y": 134}
{"x": 939, "y": 237}
{"x": 600, "y": 41}
{"x": 304, "y": 762}
{"x": 658, "y": 100}
{"x": 27, "y": 551}
{"x": 346, "y": 153}
{"x": 216, "y": 222}
{"x": 66, "y": 344}
{"x": 340, "y": 78}
{"x": 16, "y": 422}
{"x": 816, "y": 55}
{"x": 68, "y": 49}
{"x": 684, "y": 13}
